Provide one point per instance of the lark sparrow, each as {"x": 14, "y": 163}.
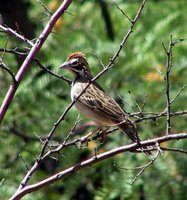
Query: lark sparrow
{"x": 95, "y": 103}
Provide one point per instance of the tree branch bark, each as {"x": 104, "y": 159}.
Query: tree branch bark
{"x": 28, "y": 60}
{"x": 91, "y": 161}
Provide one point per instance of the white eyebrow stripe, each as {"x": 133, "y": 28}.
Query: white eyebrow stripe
{"x": 73, "y": 60}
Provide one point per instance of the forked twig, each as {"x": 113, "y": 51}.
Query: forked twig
{"x": 144, "y": 167}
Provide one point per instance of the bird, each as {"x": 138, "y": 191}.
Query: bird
{"x": 94, "y": 102}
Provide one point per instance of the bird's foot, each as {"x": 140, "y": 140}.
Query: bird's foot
{"x": 85, "y": 139}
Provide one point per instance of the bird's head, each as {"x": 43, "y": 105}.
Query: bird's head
{"x": 76, "y": 63}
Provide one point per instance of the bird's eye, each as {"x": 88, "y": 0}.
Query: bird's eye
{"x": 74, "y": 63}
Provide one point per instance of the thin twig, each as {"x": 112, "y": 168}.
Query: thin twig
{"x": 157, "y": 115}
{"x": 144, "y": 102}
{"x": 26, "y": 166}
{"x": 52, "y": 73}
{"x": 98, "y": 59}
{"x": 16, "y": 52}
{"x": 2, "y": 180}
{"x": 122, "y": 11}
{"x": 45, "y": 7}
{"x": 17, "y": 35}
{"x": 4, "y": 66}
{"x": 144, "y": 167}
{"x": 178, "y": 93}
{"x": 136, "y": 103}
{"x": 174, "y": 150}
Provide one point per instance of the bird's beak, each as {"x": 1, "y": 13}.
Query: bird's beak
{"x": 65, "y": 65}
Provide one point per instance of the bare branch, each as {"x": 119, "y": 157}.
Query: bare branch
{"x": 122, "y": 11}
{"x": 144, "y": 102}
{"x": 3, "y": 66}
{"x": 52, "y": 73}
{"x": 91, "y": 161}
{"x": 144, "y": 167}
{"x": 174, "y": 150}
{"x": 167, "y": 82}
{"x": 26, "y": 166}
{"x": 178, "y": 93}
{"x": 14, "y": 33}
{"x": 32, "y": 54}
{"x": 16, "y": 52}
{"x": 49, "y": 13}
{"x": 136, "y": 103}
{"x": 153, "y": 116}
{"x": 125, "y": 38}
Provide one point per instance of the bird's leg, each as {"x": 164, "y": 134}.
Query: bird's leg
{"x": 84, "y": 139}
{"x": 104, "y": 134}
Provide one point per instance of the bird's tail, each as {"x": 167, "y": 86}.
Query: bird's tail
{"x": 129, "y": 128}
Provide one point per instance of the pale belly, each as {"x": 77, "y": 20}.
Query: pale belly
{"x": 85, "y": 110}
{"x": 95, "y": 116}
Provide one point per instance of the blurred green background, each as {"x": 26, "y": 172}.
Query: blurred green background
{"x": 94, "y": 27}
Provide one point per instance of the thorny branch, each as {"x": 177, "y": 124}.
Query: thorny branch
{"x": 24, "y": 54}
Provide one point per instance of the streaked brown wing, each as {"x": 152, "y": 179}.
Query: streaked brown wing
{"x": 95, "y": 98}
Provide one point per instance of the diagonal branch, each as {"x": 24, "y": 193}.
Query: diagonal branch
{"x": 17, "y": 35}
{"x": 24, "y": 54}
{"x": 32, "y": 54}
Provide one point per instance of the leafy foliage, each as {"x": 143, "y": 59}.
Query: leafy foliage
{"x": 42, "y": 98}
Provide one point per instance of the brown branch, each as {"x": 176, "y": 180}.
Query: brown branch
{"x": 154, "y": 116}
{"x": 19, "y": 53}
{"x": 122, "y": 11}
{"x": 91, "y": 161}
{"x": 178, "y": 93}
{"x": 174, "y": 150}
{"x": 167, "y": 82}
{"x": 52, "y": 73}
